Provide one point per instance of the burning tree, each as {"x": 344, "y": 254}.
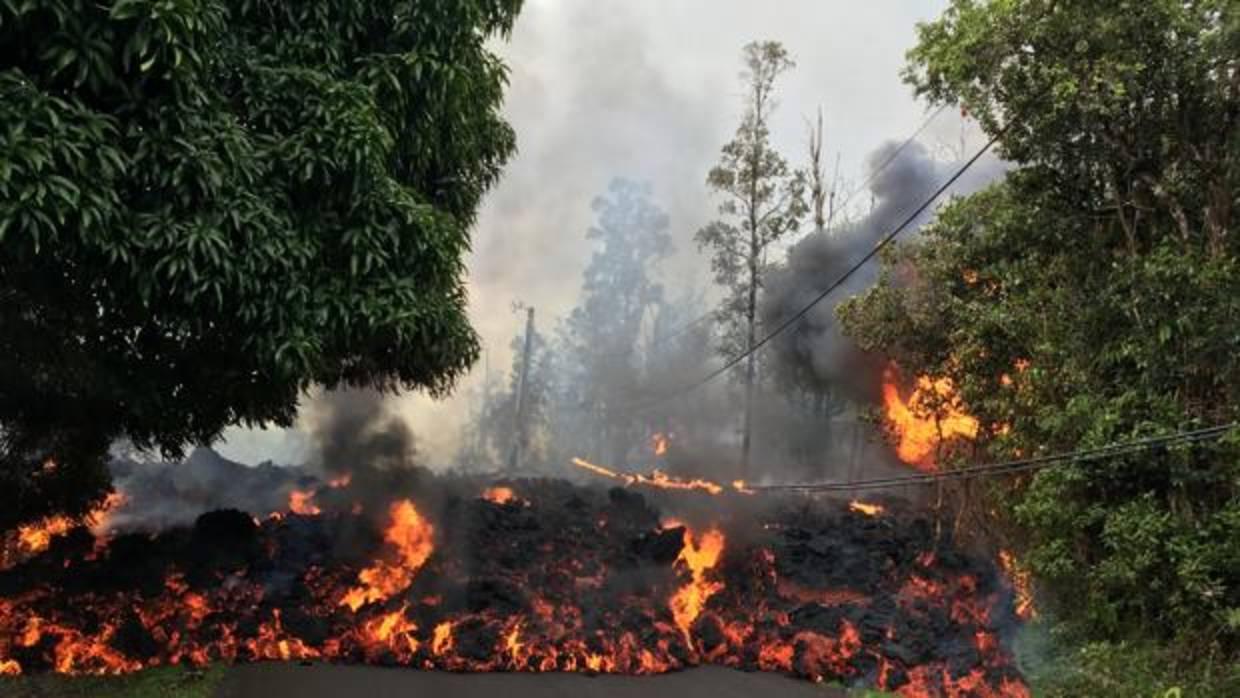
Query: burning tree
{"x": 208, "y": 207}
{"x": 1078, "y": 302}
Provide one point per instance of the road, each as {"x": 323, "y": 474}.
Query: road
{"x": 275, "y": 680}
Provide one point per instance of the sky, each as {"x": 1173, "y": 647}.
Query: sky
{"x": 649, "y": 90}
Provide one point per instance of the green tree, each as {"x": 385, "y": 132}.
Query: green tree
{"x": 601, "y": 338}
{"x": 763, "y": 200}
{"x": 1087, "y": 298}
{"x": 206, "y": 206}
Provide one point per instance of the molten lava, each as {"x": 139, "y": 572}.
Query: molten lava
{"x": 411, "y": 540}
{"x": 699, "y": 557}
{"x": 931, "y": 414}
{"x": 573, "y": 579}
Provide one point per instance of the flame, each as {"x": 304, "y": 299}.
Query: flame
{"x": 340, "y": 481}
{"x": 10, "y": 667}
{"x": 1022, "y": 586}
{"x": 411, "y": 538}
{"x": 915, "y": 423}
{"x": 390, "y": 631}
{"x": 659, "y": 443}
{"x": 866, "y": 508}
{"x": 302, "y": 502}
{"x": 499, "y": 495}
{"x": 36, "y": 537}
{"x": 442, "y": 641}
{"x": 698, "y": 557}
{"x": 661, "y": 480}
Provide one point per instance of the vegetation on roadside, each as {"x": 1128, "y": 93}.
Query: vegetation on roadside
{"x": 207, "y": 206}
{"x": 1090, "y": 298}
{"x": 163, "y": 682}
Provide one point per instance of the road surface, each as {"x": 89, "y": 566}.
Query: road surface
{"x": 276, "y": 680}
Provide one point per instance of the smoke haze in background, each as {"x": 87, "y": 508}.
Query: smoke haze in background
{"x": 646, "y": 90}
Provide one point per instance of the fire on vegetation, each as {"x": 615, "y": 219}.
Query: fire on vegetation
{"x": 928, "y": 417}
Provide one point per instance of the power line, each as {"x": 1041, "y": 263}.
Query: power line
{"x": 886, "y": 162}
{"x": 1001, "y": 468}
{"x": 874, "y": 173}
{"x": 1013, "y": 466}
{"x": 796, "y": 317}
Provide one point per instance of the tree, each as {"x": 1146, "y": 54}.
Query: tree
{"x": 601, "y": 337}
{"x": 208, "y": 206}
{"x": 1079, "y": 302}
{"x": 763, "y": 201}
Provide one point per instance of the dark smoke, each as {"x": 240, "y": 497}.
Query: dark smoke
{"x": 814, "y": 350}
{"x": 355, "y": 430}
{"x": 356, "y": 433}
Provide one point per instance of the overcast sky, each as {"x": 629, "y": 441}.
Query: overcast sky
{"x": 649, "y": 89}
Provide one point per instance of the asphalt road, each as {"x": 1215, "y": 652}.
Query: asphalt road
{"x": 275, "y": 680}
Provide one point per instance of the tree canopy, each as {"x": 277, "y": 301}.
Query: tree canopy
{"x": 207, "y": 206}
{"x": 1090, "y": 297}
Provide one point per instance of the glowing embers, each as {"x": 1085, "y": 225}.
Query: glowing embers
{"x": 411, "y": 541}
{"x": 499, "y": 495}
{"x": 699, "y": 557}
{"x": 929, "y": 416}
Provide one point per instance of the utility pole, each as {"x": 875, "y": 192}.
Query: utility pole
{"x": 518, "y": 440}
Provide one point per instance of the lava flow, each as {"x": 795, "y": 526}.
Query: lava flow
{"x": 528, "y": 576}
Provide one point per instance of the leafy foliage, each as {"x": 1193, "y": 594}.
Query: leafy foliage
{"x": 207, "y": 206}
{"x": 763, "y": 198}
{"x": 1085, "y": 300}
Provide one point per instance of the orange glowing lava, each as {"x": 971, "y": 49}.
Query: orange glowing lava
{"x": 499, "y": 495}
{"x": 931, "y": 415}
{"x": 411, "y": 538}
{"x": 698, "y": 557}
{"x": 866, "y": 508}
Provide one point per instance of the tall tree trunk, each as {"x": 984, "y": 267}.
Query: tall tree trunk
{"x": 750, "y": 315}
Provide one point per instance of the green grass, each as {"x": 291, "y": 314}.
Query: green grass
{"x": 164, "y": 682}
{"x": 1056, "y": 666}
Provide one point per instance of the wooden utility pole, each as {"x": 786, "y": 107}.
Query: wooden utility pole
{"x": 518, "y": 437}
